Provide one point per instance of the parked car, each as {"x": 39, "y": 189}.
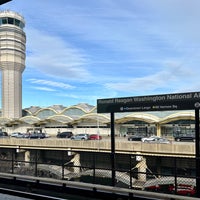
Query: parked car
{"x": 184, "y": 137}
{"x": 38, "y": 135}
{"x": 66, "y": 134}
{"x": 151, "y": 138}
{"x": 82, "y": 136}
{"x": 35, "y": 135}
{"x": 159, "y": 140}
{"x": 17, "y": 135}
{"x": 3, "y": 134}
{"x": 95, "y": 137}
{"x": 183, "y": 189}
{"x": 135, "y": 137}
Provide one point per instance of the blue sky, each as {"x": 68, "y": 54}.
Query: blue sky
{"x": 78, "y": 51}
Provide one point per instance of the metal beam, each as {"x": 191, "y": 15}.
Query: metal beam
{"x": 197, "y": 151}
{"x": 112, "y": 116}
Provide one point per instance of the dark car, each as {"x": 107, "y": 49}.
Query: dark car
{"x": 184, "y": 137}
{"x": 135, "y": 137}
{"x": 66, "y": 134}
{"x": 3, "y": 134}
{"x": 38, "y": 135}
{"x": 35, "y": 135}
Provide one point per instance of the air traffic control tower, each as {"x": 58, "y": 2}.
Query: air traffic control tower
{"x": 12, "y": 62}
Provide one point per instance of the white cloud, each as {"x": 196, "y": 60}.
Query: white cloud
{"x": 53, "y": 56}
{"x": 170, "y": 77}
{"x": 44, "y": 89}
{"x": 51, "y": 83}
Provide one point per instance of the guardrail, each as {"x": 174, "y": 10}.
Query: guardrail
{"x": 42, "y": 188}
{"x": 121, "y": 146}
{"x": 141, "y": 172}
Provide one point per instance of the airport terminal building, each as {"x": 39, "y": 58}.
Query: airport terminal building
{"x": 83, "y": 118}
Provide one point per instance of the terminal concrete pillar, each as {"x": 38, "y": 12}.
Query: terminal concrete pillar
{"x": 142, "y": 168}
{"x": 77, "y": 163}
{"x": 158, "y": 130}
{"x": 27, "y": 158}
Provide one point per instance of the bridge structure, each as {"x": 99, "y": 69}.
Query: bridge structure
{"x": 173, "y": 149}
{"x": 139, "y": 151}
{"x": 93, "y": 150}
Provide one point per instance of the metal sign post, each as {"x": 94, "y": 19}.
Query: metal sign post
{"x": 163, "y": 102}
{"x": 197, "y": 152}
{"x": 112, "y": 116}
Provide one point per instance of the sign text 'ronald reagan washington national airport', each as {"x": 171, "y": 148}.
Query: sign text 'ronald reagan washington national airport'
{"x": 176, "y": 101}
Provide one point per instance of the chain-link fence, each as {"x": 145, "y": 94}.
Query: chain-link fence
{"x": 141, "y": 172}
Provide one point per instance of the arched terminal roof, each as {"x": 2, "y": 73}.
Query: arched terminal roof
{"x": 30, "y": 119}
{"x": 45, "y": 113}
{"x": 86, "y": 107}
{"x": 33, "y": 109}
{"x": 57, "y": 108}
{"x": 26, "y": 113}
{"x": 74, "y": 112}
{"x": 98, "y": 118}
{"x": 178, "y": 116}
{"x": 80, "y": 113}
{"x": 138, "y": 116}
{"x": 61, "y": 119}
{"x": 94, "y": 110}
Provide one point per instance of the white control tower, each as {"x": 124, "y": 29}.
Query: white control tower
{"x": 12, "y": 62}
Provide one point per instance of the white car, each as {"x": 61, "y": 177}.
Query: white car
{"x": 81, "y": 136}
{"x": 151, "y": 138}
{"x": 17, "y": 135}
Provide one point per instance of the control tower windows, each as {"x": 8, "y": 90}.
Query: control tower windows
{"x": 4, "y": 20}
{"x": 9, "y": 20}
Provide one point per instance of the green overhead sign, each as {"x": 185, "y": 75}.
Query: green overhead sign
{"x": 178, "y": 101}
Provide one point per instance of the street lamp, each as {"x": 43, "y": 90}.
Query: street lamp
{"x": 4, "y": 1}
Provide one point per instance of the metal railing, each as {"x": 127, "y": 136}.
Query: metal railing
{"x": 149, "y": 173}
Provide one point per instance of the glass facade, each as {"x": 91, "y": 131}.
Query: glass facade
{"x": 138, "y": 127}
{"x": 9, "y": 20}
{"x": 183, "y": 126}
